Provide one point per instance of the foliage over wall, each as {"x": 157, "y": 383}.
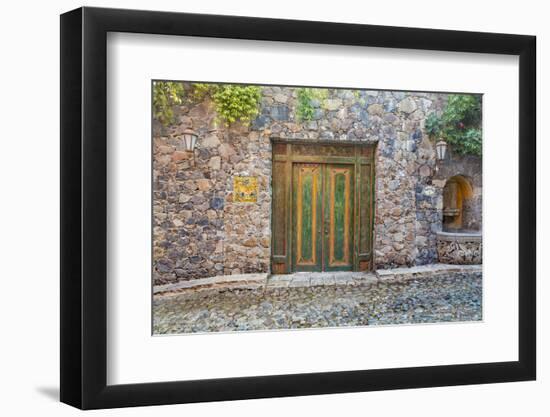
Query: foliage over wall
{"x": 233, "y": 102}
{"x": 166, "y": 94}
{"x": 305, "y": 109}
{"x": 459, "y": 124}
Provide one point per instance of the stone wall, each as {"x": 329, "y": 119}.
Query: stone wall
{"x": 199, "y": 231}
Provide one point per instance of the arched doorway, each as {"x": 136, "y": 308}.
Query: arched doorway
{"x": 456, "y": 191}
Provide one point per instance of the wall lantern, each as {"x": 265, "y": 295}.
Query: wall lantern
{"x": 189, "y": 139}
{"x": 441, "y": 150}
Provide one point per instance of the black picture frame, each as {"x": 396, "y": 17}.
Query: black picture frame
{"x": 84, "y": 207}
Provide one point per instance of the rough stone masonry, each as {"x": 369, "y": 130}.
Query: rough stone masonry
{"x": 200, "y": 231}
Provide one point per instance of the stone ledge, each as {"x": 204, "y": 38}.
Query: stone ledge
{"x": 242, "y": 281}
{"x": 207, "y": 286}
{"x": 460, "y": 236}
{"x": 319, "y": 279}
{"x": 424, "y": 271}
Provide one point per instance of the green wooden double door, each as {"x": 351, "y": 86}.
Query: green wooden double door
{"x": 322, "y": 208}
{"x": 323, "y": 217}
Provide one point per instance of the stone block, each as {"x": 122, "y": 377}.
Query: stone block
{"x": 332, "y": 104}
{"x": 407, "y": 105}
{"x": 376, "y": 109}
{"x": 215, "y": 163}
{"x": 210, "y": 141}
{"x": 181, "y": 156}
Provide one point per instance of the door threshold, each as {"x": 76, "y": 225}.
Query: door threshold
{"x": 326, "y": 278}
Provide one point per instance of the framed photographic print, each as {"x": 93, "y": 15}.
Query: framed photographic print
{"x": 257, "y": 208}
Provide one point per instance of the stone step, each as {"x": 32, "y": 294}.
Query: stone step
{"x": 308, "y": 279}
{"x": 424, "y": 271}
{"x": 243, "y": 281}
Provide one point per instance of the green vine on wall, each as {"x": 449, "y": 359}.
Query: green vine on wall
{"x": 232, "y": 102}
{"x": 166, "y": 94}
{"x": 305, "y": 109}
{"x": 459, "y": 123}
{"x": 236, "y": 102}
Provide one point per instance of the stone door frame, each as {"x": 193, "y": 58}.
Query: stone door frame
{"x": 286, "y": 153}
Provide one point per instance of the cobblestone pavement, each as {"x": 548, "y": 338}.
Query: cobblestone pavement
{"x": 445, "y": 298}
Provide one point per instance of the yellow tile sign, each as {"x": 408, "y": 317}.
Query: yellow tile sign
{"x": 245, "y": 189}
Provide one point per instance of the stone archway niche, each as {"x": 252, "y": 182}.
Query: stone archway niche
{"x": 456, "y": 244}
{"x": 456, "y": 193}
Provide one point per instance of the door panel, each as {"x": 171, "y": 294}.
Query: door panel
{"x": 364, "y": 208}
{"x": 307, "y": 203}
{"x": 339, "y": 203}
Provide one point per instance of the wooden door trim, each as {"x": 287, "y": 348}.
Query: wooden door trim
{"x": 331, "y": 171}
{"x": 298, "y": 174}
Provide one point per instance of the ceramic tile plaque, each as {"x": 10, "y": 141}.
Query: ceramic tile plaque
{"x": 245, "y": 189}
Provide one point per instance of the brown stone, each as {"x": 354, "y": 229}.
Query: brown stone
{"x": 181, "y": 155}
{"x": 200, "y": 111}
{"x": 163, "y": 149}
{"x": 396, "y": 211}
{"x": 280, "y": 98}
{"x": 210, "y": 141}
{"x": 215, "y": 163}
{"x": 332, "y": 104}
{"x": 439, "y": 183}
{"x": 377, "y": 109}
{"x": 342, "y": 114}
{"x": 184, "y": 198}
{"x": 190, "y": 185}
{"x": 186, "y": 214}
{"x": 226, "y": 151}
{"x": 204, "y": 184}
{"x": 425, "y": 171}
{"x": 250, "y": 242}
{"x": 164, "y": 159}
{"x": 185, "y": 120}
{"x": 159, "y": 141}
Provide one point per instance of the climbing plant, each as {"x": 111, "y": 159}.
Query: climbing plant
{"x": 305, "y": 109}
{"x": 166, "y": 94}
{"x": 433, "y": 124}
{"x": 237, "y": 102}
{"x": 459, "y": 123}
{"x": 232, "y": 102}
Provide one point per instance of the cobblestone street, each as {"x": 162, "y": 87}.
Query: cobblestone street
{"x": 445, "y": 298}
